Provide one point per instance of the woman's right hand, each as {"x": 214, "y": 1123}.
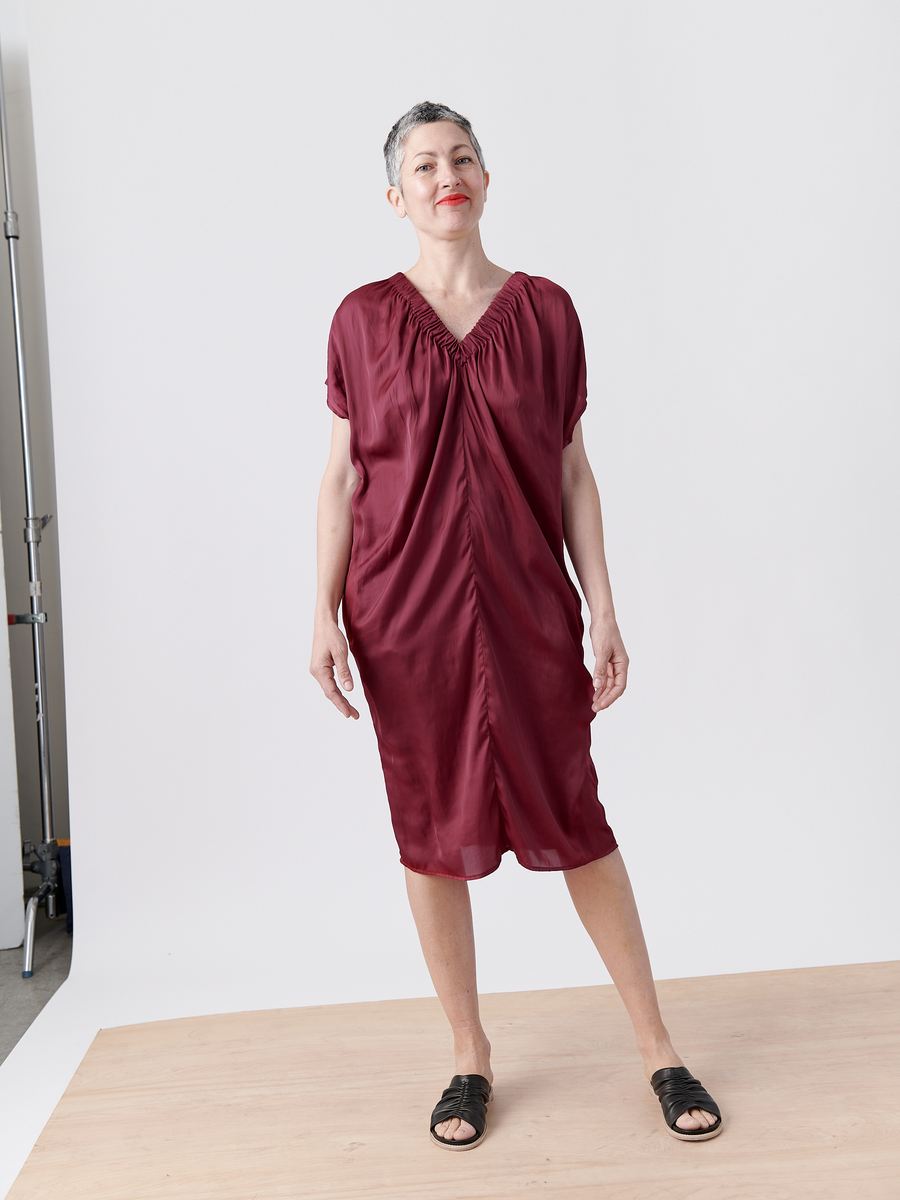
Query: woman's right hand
{"x": 329, "y": 654}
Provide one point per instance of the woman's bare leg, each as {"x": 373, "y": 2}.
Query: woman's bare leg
{"x": 602, "y": 895}
{"x": 443, "y": 916}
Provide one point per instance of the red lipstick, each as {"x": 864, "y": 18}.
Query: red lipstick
{"x": 454, "y": 199}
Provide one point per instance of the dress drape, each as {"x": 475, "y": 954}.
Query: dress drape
{"x": 464, "y": 623}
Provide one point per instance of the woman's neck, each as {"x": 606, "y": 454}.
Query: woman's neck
{"x": 455, "y": 268}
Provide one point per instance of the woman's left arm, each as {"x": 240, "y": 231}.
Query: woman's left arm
{"x": 583, "y": 531}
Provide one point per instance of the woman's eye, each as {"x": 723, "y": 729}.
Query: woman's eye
{"x": 464, "y": 159}
{"x": 424, "y": 167}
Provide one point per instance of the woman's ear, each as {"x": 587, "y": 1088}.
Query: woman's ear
{"x": 395, "y": 199}
{"x": 487, "y": 180}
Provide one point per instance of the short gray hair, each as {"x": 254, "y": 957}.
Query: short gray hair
{"x": 421, "y": 114}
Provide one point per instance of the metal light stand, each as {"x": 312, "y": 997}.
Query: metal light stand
{"x": 42, "y": 859}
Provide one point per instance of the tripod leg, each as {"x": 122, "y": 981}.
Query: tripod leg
{"x": 30, "y": 917}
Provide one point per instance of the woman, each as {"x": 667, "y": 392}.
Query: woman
{"x": 457, "y": 471}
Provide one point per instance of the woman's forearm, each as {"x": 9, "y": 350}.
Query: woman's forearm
{"x": 583, "y": 530}
{"x": 334, "y": 538}
{"x": 334, "y": 523}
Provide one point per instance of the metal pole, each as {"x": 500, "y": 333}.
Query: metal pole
{"x": 48, "y": 864}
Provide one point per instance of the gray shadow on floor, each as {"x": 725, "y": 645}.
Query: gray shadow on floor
{"x": 22, "y": 999}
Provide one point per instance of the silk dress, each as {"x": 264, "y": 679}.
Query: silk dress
{"x": 458, "y": 608}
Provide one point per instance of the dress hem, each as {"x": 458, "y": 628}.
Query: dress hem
{"x": 491, "y": 870}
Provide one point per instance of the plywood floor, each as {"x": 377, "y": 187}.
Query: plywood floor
{"x": 333, "y": 1102}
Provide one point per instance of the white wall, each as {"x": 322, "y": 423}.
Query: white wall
{"x": 12, "y": 912}
{"x": 12, "y": 922}
{"x": 713, "y": 185}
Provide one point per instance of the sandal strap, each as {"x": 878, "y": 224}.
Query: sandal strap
{"x": 679, "y": 1091}
{"x": 466, "y": 1098}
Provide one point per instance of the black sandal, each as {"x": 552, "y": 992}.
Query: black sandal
{"x": 467, "y": 1098}
{"x": 679, "y": 1091}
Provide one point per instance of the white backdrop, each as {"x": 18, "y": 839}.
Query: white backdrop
{"x": 12, "y": 912}
{"x": 715, "y": 186}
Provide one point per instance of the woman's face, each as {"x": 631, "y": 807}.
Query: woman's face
{"x": 443, "y": 185}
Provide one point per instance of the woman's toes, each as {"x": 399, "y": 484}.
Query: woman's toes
{"x": 454, "y": 1130}
{"x": 695, "y": 1118}
{"x": 689, "y": 1121}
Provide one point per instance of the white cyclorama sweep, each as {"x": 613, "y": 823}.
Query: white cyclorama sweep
{"x": 714, "y": 186}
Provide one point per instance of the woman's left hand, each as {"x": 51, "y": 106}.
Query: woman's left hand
{"x": 611, "y": 670}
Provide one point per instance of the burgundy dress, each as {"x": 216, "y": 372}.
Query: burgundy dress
{"x": 458, "y": 608}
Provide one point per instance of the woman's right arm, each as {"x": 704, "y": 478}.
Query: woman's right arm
{"x": 334, "y": 537}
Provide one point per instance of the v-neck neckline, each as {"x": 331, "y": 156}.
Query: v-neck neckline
{"x": 460, "y": 348}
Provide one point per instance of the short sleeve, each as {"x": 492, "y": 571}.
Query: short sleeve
{"x": 576, "y": 374}
{"x": 336, "y": 398}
